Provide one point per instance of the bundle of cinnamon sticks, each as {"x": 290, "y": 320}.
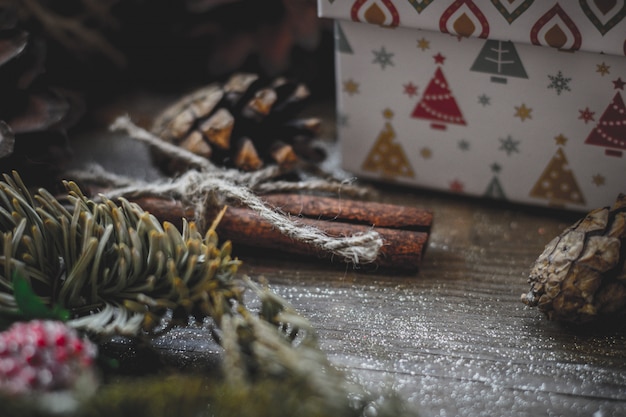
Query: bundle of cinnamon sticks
{"x": 404, "y": 230}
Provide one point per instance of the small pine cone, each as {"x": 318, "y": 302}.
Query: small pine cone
{"x": 43, "y": 356}
{"x": 581, "y": 274}
{"x": 244, "y": 123}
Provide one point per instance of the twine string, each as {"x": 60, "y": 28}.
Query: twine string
{"x": 208, "y": 186}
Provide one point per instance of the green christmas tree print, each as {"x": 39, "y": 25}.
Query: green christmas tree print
{"x": 494, "y": 189}
{"x": 341, "y": 42}
{"x": 501, "y": 59}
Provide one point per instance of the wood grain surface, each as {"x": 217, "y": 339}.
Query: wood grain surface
{"x": 454, "y": 338}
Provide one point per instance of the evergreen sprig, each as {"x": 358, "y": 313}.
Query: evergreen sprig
{"x": 115, "y": 268}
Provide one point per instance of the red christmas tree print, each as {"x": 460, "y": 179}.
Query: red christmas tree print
{"x": 610, "y": 131}
{"x": 438, "y": 104}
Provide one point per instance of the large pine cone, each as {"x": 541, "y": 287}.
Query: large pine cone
{"x": 33, "y": 115}
{"x": 270, "y": 30}
{"x": 581, "y": 274}
{"x": 245, "y": 123}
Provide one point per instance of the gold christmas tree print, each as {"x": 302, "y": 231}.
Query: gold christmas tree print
{"x": 387, "y": 156}
{"x": 557, "y": 183}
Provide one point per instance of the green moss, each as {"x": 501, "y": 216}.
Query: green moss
{"x": 197, "y": 396}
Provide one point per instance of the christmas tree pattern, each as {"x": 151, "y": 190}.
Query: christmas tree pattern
{"x": 557, "y": 183}
{"x": 386, "y": 156}
{"x": 610, "y": 131}
{"x": 501, "y": 59}
{"x": 438, "y": 104}
{"x": 341, "y": 42}
{"x": 494, "y": 189}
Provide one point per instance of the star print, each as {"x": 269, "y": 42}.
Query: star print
{"x": 351, "y": 87}
{"x": 560, "y": 139}
{"x": 523, "y": 112}
{"x": 426, "y": 153}
{"x": 619, "y": 84}
{"x": 559, "y": 83}
{"x": 439, "y": 58}
{"x": 603, "y": 69}
{"x": 495, "y": 168}
{"x": 599, "y": 180}
{"x": 457, "y": 186}
{"x": 484, "y": 99}
{"x": 464, "y": 145}
{"x": 423, "y": 44}
{"x": 586, "y": 115}
{"x": 509, "y": 145}
{"x": 388, "y": 114}
{"x": 383, "y": 58}
{"x": 410, "y": 89}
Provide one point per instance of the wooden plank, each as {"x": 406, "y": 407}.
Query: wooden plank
{"x": 455, "y": 339}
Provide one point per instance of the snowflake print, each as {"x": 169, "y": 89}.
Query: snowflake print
{"x": 410, "y": 89}
{"x": 351, "y": 87}
{"x": 599, "y": 180}
{"x": 559, "y": 83}
{"x": 509, "y": 145}
{"x": 586, "y": 115}
{"x": 423, "y": 44}
{"x": 383, "y": 58}
{"x": 603, "y": 69}
{"x": 484, "y": 100}
{"x": 464, "y": 145}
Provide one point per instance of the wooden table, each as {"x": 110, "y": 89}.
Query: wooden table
{"x": 453, "y": 339}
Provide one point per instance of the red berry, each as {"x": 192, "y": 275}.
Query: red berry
{"x": 60, "y": 340}
{"x": 42, "y": 355}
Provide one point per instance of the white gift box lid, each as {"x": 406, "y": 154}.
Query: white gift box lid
{"x": 590, "y": 25}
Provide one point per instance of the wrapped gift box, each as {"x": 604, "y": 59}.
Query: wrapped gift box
{"x": 520, "y": 100}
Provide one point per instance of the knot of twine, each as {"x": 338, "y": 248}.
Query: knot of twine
{"x": 208, "y": 186}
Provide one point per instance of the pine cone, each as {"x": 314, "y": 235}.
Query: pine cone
{"x": 33, "y": 116}
{"x": 581, "y": 274}
{"x": 244, "y": 123}
{"x": 41, "y": 355}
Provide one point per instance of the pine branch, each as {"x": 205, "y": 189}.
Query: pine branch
{"x": 115, "y": 268}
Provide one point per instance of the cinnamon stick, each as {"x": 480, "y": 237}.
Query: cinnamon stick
{"x": 404, "y": 230}
{"x": 353, "y": 211}
{"x": 402, "y": 249}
